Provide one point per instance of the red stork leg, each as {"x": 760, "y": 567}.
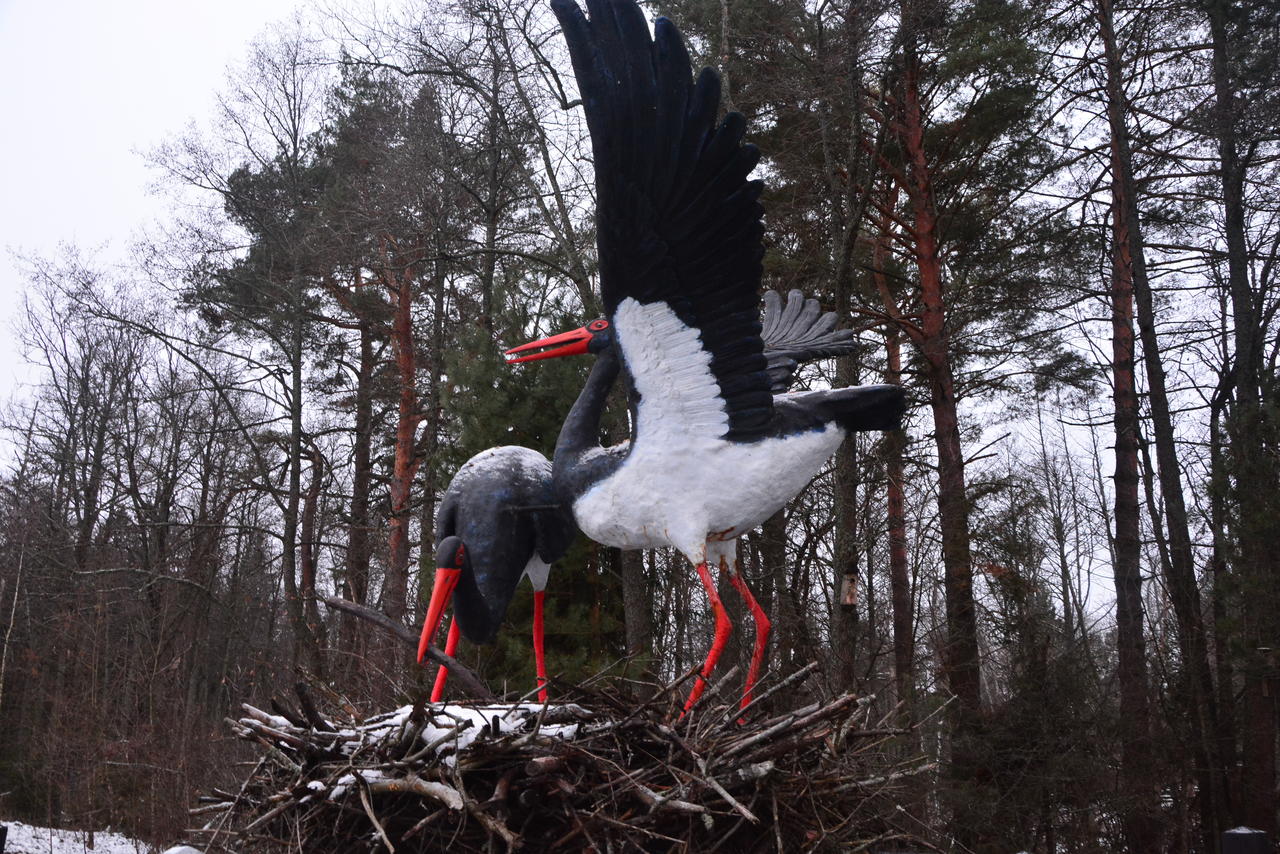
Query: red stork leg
{"x": 450, "y": 647}
{"x": 762, "y": 634}
{"x": 723, "y": 629}
{"x": 539, "y": 659}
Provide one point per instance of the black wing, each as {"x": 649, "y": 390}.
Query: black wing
{"x": 799, "y": 332}
{"x": 677, "y": 220}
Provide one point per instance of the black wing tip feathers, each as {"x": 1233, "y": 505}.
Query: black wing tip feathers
{"x": 678, "y": 220}
{"x": 873, "y": 407}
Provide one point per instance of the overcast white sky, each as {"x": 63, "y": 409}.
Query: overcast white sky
{"x": 85, "y": 89}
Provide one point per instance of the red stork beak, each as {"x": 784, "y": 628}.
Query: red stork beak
{"x": 441, "y": 593}
{"x": 565, "y": 344}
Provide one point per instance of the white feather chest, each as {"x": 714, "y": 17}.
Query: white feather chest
{"x": 683, "y": 484}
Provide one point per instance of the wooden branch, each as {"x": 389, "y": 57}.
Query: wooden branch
{"x": 309, "y": 710}
{"x": 465, "y": 675}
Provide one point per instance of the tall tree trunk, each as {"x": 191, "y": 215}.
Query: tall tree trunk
{"x": 772, "y": 539}
{"x": 405, "y": 465}
{"x": 895, "y": 445}
{"x": 1226, "y": 592}
{"x": 1141, "y": 827}
{"x": 1253, "y": 470}
{"x": 968, "y": 771}
{"x": 637, "y": 613}
{"x": 842, "y": 669}
{"x": 899, "y": 572}
{"x": 431, "y": 434}
{"x": 1183, "y": 590}
{"x": 961, "y": 652}
{"x": 308, "y": 547}
{"x": 356, "y": 575}
{"x": 302, "y": 645}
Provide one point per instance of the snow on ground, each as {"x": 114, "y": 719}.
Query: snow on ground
{"x": 26, "y": 839}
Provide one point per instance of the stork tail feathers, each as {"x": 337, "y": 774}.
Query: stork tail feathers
{"x": 868, "y": 407}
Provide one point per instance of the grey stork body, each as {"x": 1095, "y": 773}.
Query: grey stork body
{"x": 498, "y": 523}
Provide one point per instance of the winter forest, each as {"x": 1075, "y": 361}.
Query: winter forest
{"x": 1055, "y": 222}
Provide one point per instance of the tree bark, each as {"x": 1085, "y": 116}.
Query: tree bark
{"x": 405, "y": 464}
{"x": 968, "y": 770}
{"x": 356, "y": 576}
{"x": 637, "y": 602}
{"x": 899, "y": 572}
{"x": 302, "y": 647}
{"x": 1183, "y": 590}
{"x": 308, "y": 546}
{"x": 961, "y": 651}
{"x": 895, "y": 444}
{"x": 1253, "y": 473}
{"x": 772, "y": 539}
{"x": 431, "y": 434}
{"x": 1141, "y": 828}
{"x": 842, "y": 665}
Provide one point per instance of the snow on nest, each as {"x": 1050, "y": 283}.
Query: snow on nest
{"x": 28, "y": 839}
{"x": 453, "y": 727}
{"x": 450, "y": 729}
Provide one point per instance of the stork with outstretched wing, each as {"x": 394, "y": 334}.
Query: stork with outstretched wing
{"x": 713, "y": 451}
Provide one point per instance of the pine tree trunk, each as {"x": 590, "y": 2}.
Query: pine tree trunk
{"x": 308, "y": 546}
{"x": 431, "y": 436}
{"x": 960, "y": 661}
{"x": 1253, "y": 473}
{"x": 405, "y": 465}
{"x": 356, "y": 575}
{"x": 899, "y": 571}
{"x": 895, "y": 444}
{"x": 842, "y": 669}
{"x": 289, "y": 534}
{"x": 961, "y": 653}
{"x": 1183, "y": 590}
{"x": 1140, "y": 825}
{"x": 637, "y": 615}
{"x": 772, "y": 540}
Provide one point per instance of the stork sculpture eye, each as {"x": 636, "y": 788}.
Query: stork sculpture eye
{"x": 597, "y": 325}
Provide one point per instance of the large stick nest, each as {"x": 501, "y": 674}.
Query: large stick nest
{"x": 594, "y": 772}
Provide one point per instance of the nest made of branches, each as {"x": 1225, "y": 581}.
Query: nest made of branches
{"x": 595, "y": 771}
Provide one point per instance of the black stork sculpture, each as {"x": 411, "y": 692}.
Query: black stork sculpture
{"x": 713, "y": 452}
{"x": 498, "y": 522}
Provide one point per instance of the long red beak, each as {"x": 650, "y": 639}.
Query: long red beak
{"x": 565, "y": 344}
{"x": 441, "y": 593}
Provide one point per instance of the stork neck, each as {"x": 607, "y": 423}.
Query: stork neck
{"x": 581, "y": 429}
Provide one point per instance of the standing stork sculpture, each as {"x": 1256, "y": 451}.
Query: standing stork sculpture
{"x": 713, "y": 451}
{"x": 499, "y": 522}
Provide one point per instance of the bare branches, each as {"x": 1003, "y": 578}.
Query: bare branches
{"x": 465, "y": 675}
{"x": 539, "y": 777}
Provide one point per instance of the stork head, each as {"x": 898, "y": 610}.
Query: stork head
{"x": 595, "y": 337}
{"x": 451, "y": 558}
